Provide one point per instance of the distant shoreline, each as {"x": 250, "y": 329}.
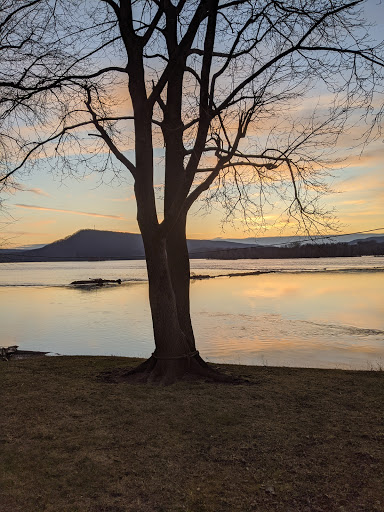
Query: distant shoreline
{"x": 93, "y": 245}
{"x": 8, "y": 259}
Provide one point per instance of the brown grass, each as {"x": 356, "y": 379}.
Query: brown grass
{"x": 297, "y": 440}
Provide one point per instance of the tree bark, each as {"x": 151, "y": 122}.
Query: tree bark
{"x": 168, "y": 277}
{"x": 170, "y": 340}
{"x": 179, "y": 267}
{"x": 175, "y": 354}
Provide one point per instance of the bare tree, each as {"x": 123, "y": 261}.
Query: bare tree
{"x": 212, "y": 83}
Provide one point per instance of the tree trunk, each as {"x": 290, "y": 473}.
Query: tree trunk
{"x": 168, "y": 362}
{"x": 170, "y": 340}
{"x": 175, "y": 354}
{"x": 178, "y": 262}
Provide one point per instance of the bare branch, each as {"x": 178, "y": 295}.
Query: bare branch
{"x": 107, "y": 139}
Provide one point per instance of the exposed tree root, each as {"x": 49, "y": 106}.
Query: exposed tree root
{"x": 167, "y": 371}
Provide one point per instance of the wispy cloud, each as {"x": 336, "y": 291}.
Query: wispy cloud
{"x": 367, "y": 213}
{"x": 75, "y": 212}
{"x": 371, "y": 158}
{"x": 37, "y": 191}
{"x": 354, "y": 201}
{"x": 362, "y": 183}
{"x": 121, "y": 199}
{"x": 19, "y": 187}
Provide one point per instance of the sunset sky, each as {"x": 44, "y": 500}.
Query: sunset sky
{"x": 47, "y": 207}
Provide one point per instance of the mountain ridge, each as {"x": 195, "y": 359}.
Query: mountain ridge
{"x": 96, "y": 244}
{"x": 91, "y": 244}
{"x": 284, "y": 240}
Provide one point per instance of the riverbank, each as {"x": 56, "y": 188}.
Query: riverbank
{"x": 300, "y": 440}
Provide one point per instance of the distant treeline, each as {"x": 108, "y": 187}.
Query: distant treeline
{"x": 329, "y": 250}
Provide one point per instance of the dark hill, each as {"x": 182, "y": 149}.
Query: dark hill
{"x": 89, "y": 244}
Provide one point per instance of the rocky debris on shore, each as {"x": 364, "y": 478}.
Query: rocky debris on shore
{"x": 7, "y": 352}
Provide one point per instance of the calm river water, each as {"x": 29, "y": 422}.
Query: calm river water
{"x": 326, "y": 313}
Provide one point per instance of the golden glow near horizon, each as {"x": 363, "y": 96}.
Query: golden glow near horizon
{"x": 44, "y": 210}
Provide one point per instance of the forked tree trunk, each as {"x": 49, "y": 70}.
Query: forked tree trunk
{"x": 166, "y": 256}
{"x": 168, "y": 278}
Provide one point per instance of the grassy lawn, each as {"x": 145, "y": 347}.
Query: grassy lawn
{"x": 297, "y": 440}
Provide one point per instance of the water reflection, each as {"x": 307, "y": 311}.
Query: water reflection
{"x": 322, "y": 320}
{"x": 318, "y": 320}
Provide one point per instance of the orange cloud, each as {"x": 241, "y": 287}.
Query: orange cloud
{"x": 89, "y": 214}
{"x": 361, "y": 213}
{"x": 366, "y": 182}
{"x": 130, "y": 198}
{"x": 370, "y": 158}
{"x": 38, "y": 191}
{"x": 19, "y": 187}
{"x": 354, "y": 201}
